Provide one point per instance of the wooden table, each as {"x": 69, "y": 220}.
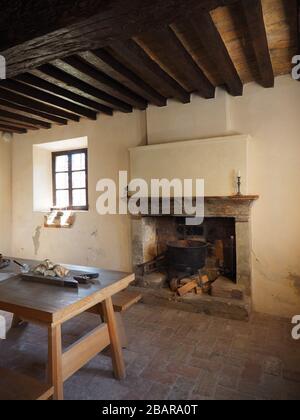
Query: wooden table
{"x": 51, "y": 306}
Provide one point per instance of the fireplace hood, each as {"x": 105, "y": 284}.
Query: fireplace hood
{"x": 215, "y": 160}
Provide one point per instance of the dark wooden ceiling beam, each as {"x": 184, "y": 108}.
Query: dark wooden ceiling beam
{"x": 256, "y": 26}
{"x": 18, "y": 124}
{"x": 46, "y": 98}
{"x": 12, "y": 129}
{"x": 174, "y": 47}
{"x": 78, "y": 67}
{"x": 109, "y": 65}
{"x": 37, "y": 18}
{"x": 32, "y": 113}
{"x": 11, "y": 116}
{"x": 74, "y": 83}
{"x": 55, "y": 77}
{"x": 204, "y": 28}
{"x": 46, "y": 86}
{"x": 36, "y": 105}
{"x": 153, "y": 73}
{"x": 40, "y": 32}
{"x": 58, "y": 78}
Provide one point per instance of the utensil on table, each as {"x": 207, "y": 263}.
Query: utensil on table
{"x": 86, "y": 278}
{"x": 24, "y": 267}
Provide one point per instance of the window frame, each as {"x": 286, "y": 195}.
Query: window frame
{"x": 70, "y": 188}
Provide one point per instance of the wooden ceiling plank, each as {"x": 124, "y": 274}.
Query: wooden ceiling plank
{"x": 174, "y": 47}
{"x": 80, "y": 68}
{"x": 256, "y": 26}
{"x": 47, "y": 98}
{"x": 109, "y": 64}
{"x": 35, "y": 39}
{"x": 74, "y": 82}
{"x": 141, "y": 61}
{"x": 38, "y": 106}
{"x": 46, "y": 86}
{"x": 12, "y": 129}
{"x": 10, "y": 116}
{"x": 209, "y": 36}
{"x": 22, "y": 110}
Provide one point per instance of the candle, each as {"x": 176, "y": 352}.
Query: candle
{"x": 239, "y": 183}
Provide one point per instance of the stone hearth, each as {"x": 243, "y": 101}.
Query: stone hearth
{"x": 150, "y": 234}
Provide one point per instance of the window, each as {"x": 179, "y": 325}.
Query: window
{"x": 70, "y": 179}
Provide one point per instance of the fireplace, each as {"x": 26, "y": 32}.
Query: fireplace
{"x": 225, "y": 234}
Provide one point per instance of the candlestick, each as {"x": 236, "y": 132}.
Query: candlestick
{"x": 239, "y": 184}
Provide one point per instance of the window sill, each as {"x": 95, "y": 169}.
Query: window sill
{"x": 59, "y": 219}
{"x": 73, "y": 209}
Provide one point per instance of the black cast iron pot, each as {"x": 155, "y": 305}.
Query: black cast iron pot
{"x": 187, "y": 256}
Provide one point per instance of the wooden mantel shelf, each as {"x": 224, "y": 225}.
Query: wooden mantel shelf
{"x": 234, "y": 197}
{"x": 220, "y": 197}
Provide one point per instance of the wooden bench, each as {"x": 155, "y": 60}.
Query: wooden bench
{"x": 125, "y": 300}
{"x": 17, "y": 387}
{"x": 121, "y": 302}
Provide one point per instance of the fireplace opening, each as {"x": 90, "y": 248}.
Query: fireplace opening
{"x": 219, "y": 235}
{"x": 223, "y": 285}
{"x": 184, "y": 258}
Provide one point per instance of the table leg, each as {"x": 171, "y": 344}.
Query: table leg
{"x": 121, "y": 330}
{"x": 116, "y": 350}
{"x": 55, "y": 361}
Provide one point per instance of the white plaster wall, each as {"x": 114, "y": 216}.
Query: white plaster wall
{"x": 201, "y": 118}
{"x": 271, "y": 117}
{"x": 94, "y": 240}
{"x": 5, "y": 197}
{"x": 42, "y": 179}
